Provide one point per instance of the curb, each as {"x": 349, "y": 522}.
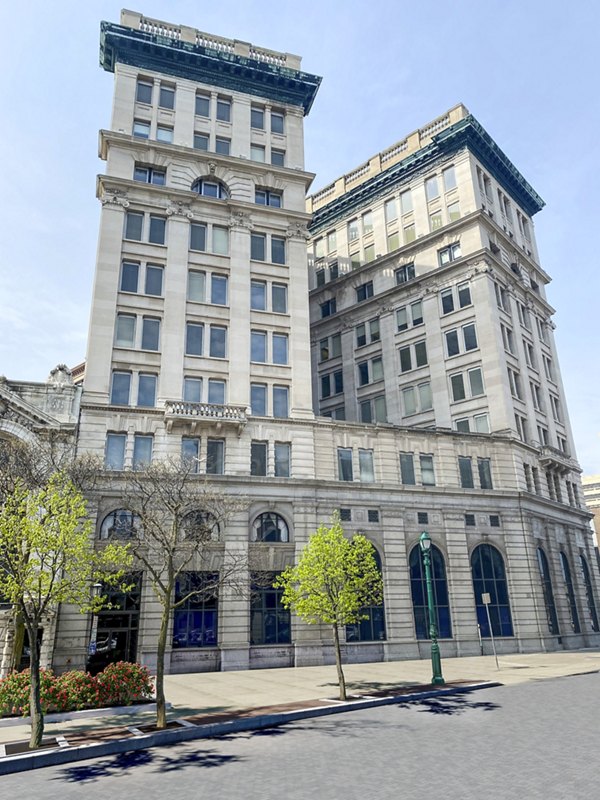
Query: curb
{"x": 67, "y": 755}
{"x": 65, "y": 716}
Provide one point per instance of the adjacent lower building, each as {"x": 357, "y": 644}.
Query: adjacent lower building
{"x": 406, "y": 378}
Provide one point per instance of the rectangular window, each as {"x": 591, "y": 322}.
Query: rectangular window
{"x": 277, "y": 250}
{"x": 201, "y": 141}
{"x": 475, "y": 381}
{"x": 447, "y": 297}
{"x": 258, "y": 246}
{"x": 266, "y": 197}
{"x": 390, "y": 211}
{"x": 192, "y": 390}
{"x": 393, "y": 241}
{"x": 425, "y": 396}
{"x": 458, "y": 387}
{"x": 143, "y": 92}
{"x": 257, "y": 153}
{"x": 276, "y": 122}
{"x": 154, "y": 280}
{"x": 133, "y": 226}
{"x": 258, "y": 347}
{"x": 465, "y": 469}
{"x": 197, "y": 237}
{"x": 258, "y": 296}
{"x": 405, "y": 359}
{"x": 409, "y": 401}
{"x": 147, "y": 390}
{"x": 196, "y": 286}
{"x": 164, "y": 134}
{"x": 365, "y": 464}
{"x": 141, "y": 129}
{"x": 420, "y": 354}
{"x": 220, "y": 241}
{"x": 449, "y": 177}
{"x": 452, "y": 347}
{"x": 150, "y": 333}
{"x": 279, "y": 298}
{"x": 218, "y": 290}
{"x": 364, "y": 291}
{"x": 202, "y": 105}
{"x": 407, "y": 469}
{"x": 410, "y": 233}
{"x": 218, "y": 341}
{"x": 257, "y": 118}
{"x": 367, "y": 222}
{"x": 216, "y": 392}
{"x": 485, "y": 473}
{"x": 345, "y": 464}
{"x": 114, "y": 454}
{"x": 277, "y": 157}
{"x": 194, "y": 334}
{"x": 129, "y": 276}
{"x": 431, "y": 188}
{"x": 406, "y": 205}
{"x": 328, "y": 308}
{"x": 190, "y": 452}
{"x": 470, "y": 337}
{"x": 215, "y": 457}
{"x": 405, "y": 273}
{"x": 142, "y": 451}
{"x": 453, "y": 211}
{"x": 448, "y": 254}
{"x": 166, "y": 97}
{"x": 258, "y": 459}
{"x": 120, "y": 388}
{"x": 435, "y": 220}
{"x": 223, "y": 110}
{"x": 149, "y": 175}
{"x": 464, "y": 295}
{"x": 125, "y": 331}
{"x": 427, "y": 473}
{"x": 222, "y": 146}
{"x": 280, "y": 401}
{"x": 482, "y": 423}
{"x": 353, "y": 232}
{"x": 158, "y": 227}
{"x": 280, "y": 348}
{"x": 258, "y": 399}
{"x": 282, "y": 459}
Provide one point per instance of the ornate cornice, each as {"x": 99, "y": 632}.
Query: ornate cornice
{"x": 115, "y": 197}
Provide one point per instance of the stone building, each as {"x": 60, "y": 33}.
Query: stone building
{"x": 202, "y": 320}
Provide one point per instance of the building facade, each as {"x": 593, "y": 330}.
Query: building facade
{"x": 435, "y": 399}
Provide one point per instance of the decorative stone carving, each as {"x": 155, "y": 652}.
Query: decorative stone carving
{"x": 178, "y": 208}
{"x": 298, "y": 230}
{"x": 60, "y": 376}
{"x": 240, "y": 219}
{"x": 115, "y": 197}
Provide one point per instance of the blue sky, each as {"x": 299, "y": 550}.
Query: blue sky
{"x": 527, "y": 69}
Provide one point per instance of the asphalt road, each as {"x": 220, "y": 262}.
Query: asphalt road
{"x": 529, "y": 741}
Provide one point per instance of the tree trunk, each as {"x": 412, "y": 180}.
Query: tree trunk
{"x": 338, "y": 663}
{"x": 35, "y": 701}
{"x": 161, "y": 706}
{"x": 18, "y": 642}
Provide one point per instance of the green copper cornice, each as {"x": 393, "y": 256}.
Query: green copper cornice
{"x": 469, "y": 133}
{"x": 119, "y": 44}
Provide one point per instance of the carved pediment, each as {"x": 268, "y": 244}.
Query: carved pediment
{"x": 14, "y": 409}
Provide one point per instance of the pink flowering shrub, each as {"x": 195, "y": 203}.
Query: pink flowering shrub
{"x": 119, "y": 684}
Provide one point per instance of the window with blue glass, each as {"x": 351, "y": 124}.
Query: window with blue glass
{"x": 418, "y": 589}
{"x": 589, "y": 593}
{"x": 372, "y": 628}
{"x": 566, "y": 571}
{"x": 269, "y": 620}
{"x": 196, "y": 615}
{"x": 489, "y": 577}
{"x": 547, "y": 591}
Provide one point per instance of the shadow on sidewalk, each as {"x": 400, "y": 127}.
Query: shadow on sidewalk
{"x": 123, "y": 764}
{"x": 451, "y": 705}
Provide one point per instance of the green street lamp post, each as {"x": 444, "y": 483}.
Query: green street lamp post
{"x": 436, "y": 662}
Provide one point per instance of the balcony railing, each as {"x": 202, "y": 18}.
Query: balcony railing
{"x": 182, "y": 411}
{"x": 557, "y": 459}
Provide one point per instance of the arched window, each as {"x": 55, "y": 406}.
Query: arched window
{"x": 201, "y": 526}
{"x": 120, "y": 524}
{"x": 566, "y": 571}
{"x": 211, "y": 187}
{"x": 489, "y": 577}
{"x": 270, "y": 527}
{"x": 589, "y": 592}
{"x": 371, "y": 629}
{"x": 418, "y": 589}
{"x": 548, "y": 593}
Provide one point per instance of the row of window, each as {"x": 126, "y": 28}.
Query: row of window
{"x": 203, "y": 237}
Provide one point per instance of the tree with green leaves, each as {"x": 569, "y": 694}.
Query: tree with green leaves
{"x": 176, "y": 538}
{"x": 47, "y": 557}
{"x": 334, "y": 580}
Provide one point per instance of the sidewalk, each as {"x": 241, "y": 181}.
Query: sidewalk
{"x": 213, "y": 703}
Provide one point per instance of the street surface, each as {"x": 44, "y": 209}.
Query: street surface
{"x": 522, "y": 742}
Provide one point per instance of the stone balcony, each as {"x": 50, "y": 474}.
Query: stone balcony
{"x": 553, "y": 458}
{"x": 197, "y": 415}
